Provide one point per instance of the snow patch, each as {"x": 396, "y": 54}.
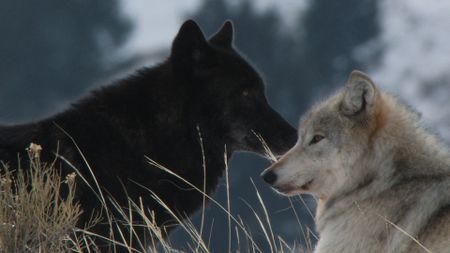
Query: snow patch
{"x": 415, "y": 63}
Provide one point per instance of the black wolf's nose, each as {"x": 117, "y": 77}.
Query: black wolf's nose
{"x": 269, "y": 177}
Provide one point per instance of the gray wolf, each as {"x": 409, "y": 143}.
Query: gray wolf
{"x": 205, "y": 87}
{"x": 382, "y": 181}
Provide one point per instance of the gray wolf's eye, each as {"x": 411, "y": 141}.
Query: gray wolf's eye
{"x": 316, "y": 139}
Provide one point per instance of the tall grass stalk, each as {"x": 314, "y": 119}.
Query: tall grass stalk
{"x": 202, "y": 149}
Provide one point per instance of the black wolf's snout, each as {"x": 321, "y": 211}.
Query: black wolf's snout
{"x": 282, "y": 138}
{"x": 269, "y": 177}
{"x": 276, "y": 132}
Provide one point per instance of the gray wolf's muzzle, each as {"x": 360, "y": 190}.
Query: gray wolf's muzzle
{"x": 269, "y": 176}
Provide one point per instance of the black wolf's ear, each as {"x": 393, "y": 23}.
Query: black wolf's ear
{"x": 189, "y": 44}
{"x": 359, "y": 95}
{"x": 224, "y": 37}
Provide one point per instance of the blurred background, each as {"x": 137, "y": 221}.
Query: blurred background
{"x": 52, "y": 52}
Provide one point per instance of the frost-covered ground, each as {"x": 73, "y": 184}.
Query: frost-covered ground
{"x": 415, "y": 64}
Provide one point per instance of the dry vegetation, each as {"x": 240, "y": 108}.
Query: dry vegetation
{"x": 34, "y": 217}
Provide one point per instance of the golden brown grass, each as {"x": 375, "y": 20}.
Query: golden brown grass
{"x": 33, "y": 215}
{"x": 35, "y": 218}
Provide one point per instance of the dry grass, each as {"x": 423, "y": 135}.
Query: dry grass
{"x": 33, "y": 215}
{"x": 35, "y": 218}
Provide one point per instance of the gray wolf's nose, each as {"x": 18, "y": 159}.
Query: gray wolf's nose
{"x": 269, "y": 177}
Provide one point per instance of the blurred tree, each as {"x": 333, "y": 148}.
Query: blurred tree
{"x": 331, "y": 33}
{"x": 52, "y": 50}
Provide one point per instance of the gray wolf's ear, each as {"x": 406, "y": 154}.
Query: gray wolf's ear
{"x": 224, "y": 37}
{"x": 359, "y": 95}
{"x": 189, "y": 44}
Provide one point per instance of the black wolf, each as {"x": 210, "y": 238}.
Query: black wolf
{"x": 204, "y": 87}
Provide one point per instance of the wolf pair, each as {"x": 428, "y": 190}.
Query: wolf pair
{"x": 381, "y": 180}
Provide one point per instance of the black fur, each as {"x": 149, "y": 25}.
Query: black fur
{"x": 155, "y": 113}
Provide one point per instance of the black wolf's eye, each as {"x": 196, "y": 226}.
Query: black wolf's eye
{"x": 316, "y": 139}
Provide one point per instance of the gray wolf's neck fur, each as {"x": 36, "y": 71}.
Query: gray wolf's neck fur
{"x": 415, "y": 161}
